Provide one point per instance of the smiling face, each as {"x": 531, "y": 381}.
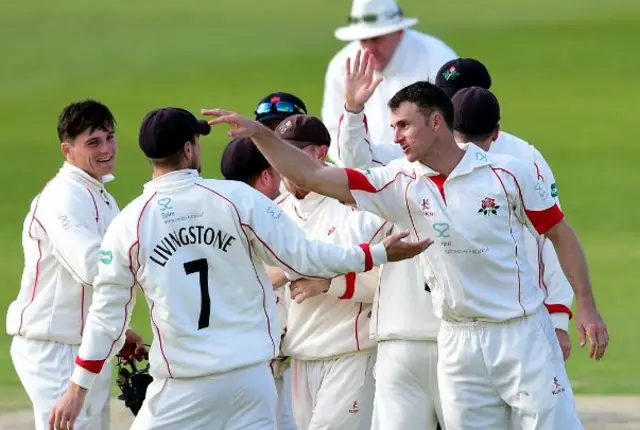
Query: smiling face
{"x": 93, "y": 151}
{"x": 86, "y": 130}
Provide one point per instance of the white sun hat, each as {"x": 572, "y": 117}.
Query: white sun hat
{"x": 373, "y": 18}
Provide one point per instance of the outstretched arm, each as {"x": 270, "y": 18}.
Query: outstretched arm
{"x": 290, "y": 161}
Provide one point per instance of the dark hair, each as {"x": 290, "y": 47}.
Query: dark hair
{"x": 427, "y": 97}
{"x": 474, "y": 138}
{"x": 174, "y": 160}
{"x": 79, "y": 117}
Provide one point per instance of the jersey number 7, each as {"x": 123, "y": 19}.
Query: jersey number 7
{"x": 201, "y": 267}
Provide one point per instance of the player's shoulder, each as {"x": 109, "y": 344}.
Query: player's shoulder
{"x": 509, "y": 164}
{"x": 508, "y": 143}
{"x": 431, "y": 44}
{"x": 237, "y": 195}
{"x": 62, "y": 194}
{"x": 398, "y": 166}
{"x": 132, "y": 213}
{"x": 233, "y": 191}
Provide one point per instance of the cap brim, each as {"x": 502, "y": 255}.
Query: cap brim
{"x": 368, "y": 31}
{"x": 272, "y": 117}
{"x": 203, "y": 128}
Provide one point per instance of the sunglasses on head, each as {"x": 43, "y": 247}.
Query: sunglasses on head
{"x": 372, "y": 17}
{"x": 282, "y": 107}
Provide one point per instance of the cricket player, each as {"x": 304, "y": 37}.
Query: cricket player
{"x": 195, "y": 248}
{"x": 402, "y": 56}
{"x": 242, "y": 161}
{"x": 328, "y": 335}
{"x": 275, "y": 107}
{"x": 61, "y": 241}
{"x": 484, "y": 289}
{"x": 270, "y": 111}
{"x": 357, "y": 150}
{"x": 403, "y": 321}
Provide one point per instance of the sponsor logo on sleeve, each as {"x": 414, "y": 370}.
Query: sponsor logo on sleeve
{"x": 554, "y": 190}
{"x": 541, "y": 190}
{"x": 106, "y": 256}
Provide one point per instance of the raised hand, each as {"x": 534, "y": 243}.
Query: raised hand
{"x": 240, "y": 125}
{"x": 359, "y": 84}
{"x": 398, "y": 249}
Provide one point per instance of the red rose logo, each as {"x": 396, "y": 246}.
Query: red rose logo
{"x": 488, "y": 206}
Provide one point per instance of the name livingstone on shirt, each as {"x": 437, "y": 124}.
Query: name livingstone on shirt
{"x": 186, "y": 236}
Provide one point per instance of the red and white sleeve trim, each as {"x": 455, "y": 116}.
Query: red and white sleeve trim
{"x": 546, "y": 219}
{"x": 82, "y": 376}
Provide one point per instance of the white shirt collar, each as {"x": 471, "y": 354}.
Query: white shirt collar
{"x": 175, "y": 179}
{"x": 473, "y": 158}
{"x": 79, "y": 174}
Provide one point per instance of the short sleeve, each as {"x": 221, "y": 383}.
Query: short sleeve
{"x": 381, "y": 191}
{"x": 538, "y": 208}
{"x": 545, "y": 174}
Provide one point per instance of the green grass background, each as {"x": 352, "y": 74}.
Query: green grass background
{"x": 566, "y": 73}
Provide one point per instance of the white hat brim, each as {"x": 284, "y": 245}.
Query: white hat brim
{"x": 368, "y": 31}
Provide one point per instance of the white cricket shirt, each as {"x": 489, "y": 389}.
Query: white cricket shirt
{"x": 479, "y": 214}
{"x": 336, "y": 323}
{"x": 196, "y": 248}
{"x": 418, "y": 57}
{"x": 357, "y": 150}
{"x": 61, "y": 238}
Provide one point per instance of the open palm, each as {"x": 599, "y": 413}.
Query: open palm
{"x": 359, "y": 82}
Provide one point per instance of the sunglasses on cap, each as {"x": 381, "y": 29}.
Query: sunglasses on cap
{"x": 281, "y": 107}
{"x": 370, "y": 18}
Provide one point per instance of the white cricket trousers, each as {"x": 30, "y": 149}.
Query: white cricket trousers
{"x": 334, "y": 394}
{"x": 406, "y": 395}
{"x": 241, "y": 399}
{"x": 285, "y": 413}
{"x": 45, "y": 368}
{"x": 494, "y": 374}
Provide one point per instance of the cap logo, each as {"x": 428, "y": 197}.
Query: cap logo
{"x": 451, "y": 73}
{"x": 275, "y": 99}
{"x": 286, "y": 127}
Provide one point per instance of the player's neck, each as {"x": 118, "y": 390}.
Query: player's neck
{"x": 483, "y": 145}
{"x": 162, "y": 170}
{"x": 444, "y": 156}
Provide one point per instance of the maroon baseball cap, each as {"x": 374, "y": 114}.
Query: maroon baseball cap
{"x": 304, "y": 130}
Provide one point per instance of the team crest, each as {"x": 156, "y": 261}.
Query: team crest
{"x": 489, "y": 206}
{"x": 286, "y": 126}
{"x": 450, "y": 73}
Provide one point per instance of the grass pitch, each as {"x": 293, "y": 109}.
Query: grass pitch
{"x": 565, "y": 73}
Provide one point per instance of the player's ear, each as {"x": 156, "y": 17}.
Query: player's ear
{"x": 264, "y": 176}
{"x": 321, "y": 152}
{"x": 65, "y": 148}
{"x": 495, "y": 133}
{"x": 436, "y": 120}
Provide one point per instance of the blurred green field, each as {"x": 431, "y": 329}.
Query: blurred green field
{"x": 565, "y": 72}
